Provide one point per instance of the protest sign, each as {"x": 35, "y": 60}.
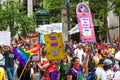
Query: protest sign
{"x": 54, "y": 46}
{"x": 5, "y": 38}
{"x": 33, "y": 41}
{"x": 85, "y": 23}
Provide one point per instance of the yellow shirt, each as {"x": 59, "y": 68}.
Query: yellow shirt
{"x": 112, "y": 51}
{"x": 2, "y": 74}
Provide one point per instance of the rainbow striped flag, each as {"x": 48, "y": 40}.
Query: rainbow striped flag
{"x": 23, "y": 56}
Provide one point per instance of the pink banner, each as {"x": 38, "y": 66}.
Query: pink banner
{"x": 85, "y": 23}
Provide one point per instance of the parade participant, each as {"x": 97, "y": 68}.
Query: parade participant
{"x": 99, "y": 69}
{"x": 117, "y": 58}
{"x": 28, "y": 73}
{"x": 64, "y": 66}
{"x": 9, "y": 62}
{"x": 44, "y": 63}
{"x": 76, "y": 70}
{"x": 79, "y": 52}
{"x": 107, "y": 73}
{"x": 2, "y": 62}
{"x": 73, "y": 72}
{"x": 91, "y": 66}
{"x": 51, "y": 72}
{"x": 111, "y": 51}
{"x": 117, "y": 74}
{"x": 2, "y": 71}
{"x": 75, "y": 44}
{"x": 68, "y": 55}
{"x": 69, "y": 46}
{"x": 97, "y": 57}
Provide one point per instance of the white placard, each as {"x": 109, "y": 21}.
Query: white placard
{"x": 48, "y": 28}
{"x": 5, "y": 38}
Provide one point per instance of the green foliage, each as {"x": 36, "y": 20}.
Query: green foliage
{"x": 99, "y": 8}
{"x": 13, "y": 16}
{"x": 116, "y": 6}
{"x": 54, "y": 7}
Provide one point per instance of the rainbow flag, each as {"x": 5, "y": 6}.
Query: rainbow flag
{"x": 23, "y": 56}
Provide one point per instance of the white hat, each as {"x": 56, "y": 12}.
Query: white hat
{"x": 107, "y": 62}
{"x": 1, "y": 56}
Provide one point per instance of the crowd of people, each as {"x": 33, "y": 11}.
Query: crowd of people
{"x": 83, "y": 61}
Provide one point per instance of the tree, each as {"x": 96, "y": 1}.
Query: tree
{"x": 54, "y": 7}
{"x": 12, "y": 16}
{"x": 99, "y": 8}
{"x": 116, "y": 4}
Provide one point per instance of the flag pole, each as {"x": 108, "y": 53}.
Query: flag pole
{"x": 24, "y": 69}
{"x": 68, "y": 17}
{"x": 68, "y": 20}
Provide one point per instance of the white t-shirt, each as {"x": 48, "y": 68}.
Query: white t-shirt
{"x": 117, "y": 56}
{"x": 2, "y": 62}
{"x": 110, "y": 74}
{"x": 98, "y": 70}
{"x": 105, "y": 75}
{"x": 101, "y": 73}
{"x": 32, "y": 72}
{"x": 117, "y": 75}
{"x": 79, "y": 52}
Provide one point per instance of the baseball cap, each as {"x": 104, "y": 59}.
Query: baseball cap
{"x": 107, "y": 62}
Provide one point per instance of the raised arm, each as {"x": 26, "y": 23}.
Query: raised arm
{"x": 87, "y": 51}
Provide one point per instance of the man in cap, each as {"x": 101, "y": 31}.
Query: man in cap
{"x": 107, "y": 73}
{"x": 117, "y": 58}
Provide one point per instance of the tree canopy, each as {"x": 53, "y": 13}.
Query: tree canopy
{"x": 99, "y": 10}
{"x": 13, "y": 17}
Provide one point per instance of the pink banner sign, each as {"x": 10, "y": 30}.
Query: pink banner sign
{"x": 85, "y": 23}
